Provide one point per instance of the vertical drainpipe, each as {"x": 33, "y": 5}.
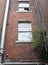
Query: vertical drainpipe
{"x": 4, "y": 25}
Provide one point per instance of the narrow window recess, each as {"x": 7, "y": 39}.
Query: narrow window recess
{"x": 23, "y": 6}
{"x": 24, "y": 31}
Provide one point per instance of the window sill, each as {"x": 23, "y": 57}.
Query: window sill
{"x": 24, "y": 11}
{"x": 24, "y": 42}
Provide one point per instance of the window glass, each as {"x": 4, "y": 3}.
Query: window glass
{"x": 24, "y": 27}
{"x": 23, "y": 6}
{"x": 24, "y": 32}
{"x": 25, "y": 36}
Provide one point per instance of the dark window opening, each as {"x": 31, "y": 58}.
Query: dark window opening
{"x": 26, "y": 9}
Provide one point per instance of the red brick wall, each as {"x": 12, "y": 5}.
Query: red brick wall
{"x": 18, "y": 51}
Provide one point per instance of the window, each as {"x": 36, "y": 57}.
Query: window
{"x": 23, "y": 6}
{"x": 24, "y": 31}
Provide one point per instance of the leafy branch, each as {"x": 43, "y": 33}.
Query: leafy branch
{"x": 39, "y": 44}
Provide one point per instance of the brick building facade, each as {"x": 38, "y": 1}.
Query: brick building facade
{"x": 17, "y": 49}
{"x": 22, "y": 50}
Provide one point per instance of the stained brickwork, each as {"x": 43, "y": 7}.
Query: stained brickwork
{"x": 43, "y": 11}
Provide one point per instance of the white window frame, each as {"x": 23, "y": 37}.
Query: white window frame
{"x": 23, "y": 6}
{"x": 22, "y": 39}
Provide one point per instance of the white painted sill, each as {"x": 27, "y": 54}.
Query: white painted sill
{"x": 24, "y": 42}
{"x": 24, "y": 11}
{"x": 21, "y": 63}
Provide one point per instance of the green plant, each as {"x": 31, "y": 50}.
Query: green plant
{"x": 39, "y": 41}
{"x": 38, "y": 38}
